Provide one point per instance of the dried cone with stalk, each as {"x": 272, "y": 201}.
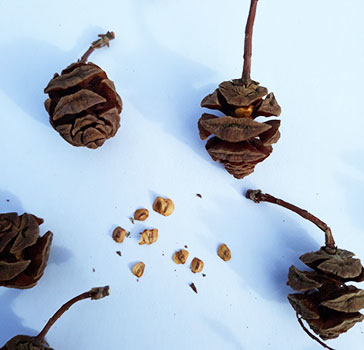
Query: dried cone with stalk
{"x": 326, "y": 302}
{"x": 83, "y": 104}
{"x": 25, "y": 342}
{"x": 240, "y": 141}
{"x": 23, "y": 252}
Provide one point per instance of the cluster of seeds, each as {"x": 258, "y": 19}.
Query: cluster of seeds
{"x": 163, "y": 206}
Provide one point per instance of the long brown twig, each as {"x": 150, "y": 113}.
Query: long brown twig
{"x": 94, "y": 293}
{"x": 248, "y": 42}
{"x": 257, "y": 196}
{"x": 98, "y": 44}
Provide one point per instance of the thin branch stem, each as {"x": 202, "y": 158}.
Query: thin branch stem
{"x": 310, "y": 334}
{"x": 98, "y": 44}
{"x": 94, "y": 293}
{"x": 248, "y": 42}
{"x": 257, "y": 196}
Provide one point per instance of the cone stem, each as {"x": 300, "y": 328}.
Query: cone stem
{"x": 94, "y": 293}
{"x": 257, "y": 196}
{"x": 310, "y": 334}
{"x": 248, "y": 42}
{"x": 98, "y": 44}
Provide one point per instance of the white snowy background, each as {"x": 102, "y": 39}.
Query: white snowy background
{"x": 166, "y": 57}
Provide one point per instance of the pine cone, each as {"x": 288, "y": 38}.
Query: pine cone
{"x": 329, "y": 306}
{"x": 24, "y": 342}
{"x": 240, "y": 142}
{"x": 23, "y": 253}
{"x": 83, "y": 105}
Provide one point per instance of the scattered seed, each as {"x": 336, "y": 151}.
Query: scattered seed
{"x": 224, "y": 252}
{"x": 148, "y": 236}
{"x": 138, "y": 269}
{"x": 118, "y": 234}
{"x": 141, "y": 214}
{"x": 196, "y": 265}
{"x": 163, "y": 206}
{"x": 181, "y": 256}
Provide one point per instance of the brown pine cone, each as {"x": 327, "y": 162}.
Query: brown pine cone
{"x": 329, "y": 306}
{"x": 23, "y": 253}
{"x": 24, "y": 342}
{"x": 83, "y": 104}
{"x": 240, "y": 142}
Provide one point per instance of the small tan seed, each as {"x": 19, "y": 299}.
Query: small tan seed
{"x": 196, "y": 265}
{"x": 118, "y": 234}
{"x": 224, "y": 252}
{"x": 244, "y": 112}
{"x": 181, "y": 256}
{"x": 148, "y": 236}
{"x": 164, "y": 206}
{"x": 141, "y": 214}
{"x": 138, "y": 269}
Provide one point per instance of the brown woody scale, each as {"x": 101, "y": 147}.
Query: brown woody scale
{"x": 328, "y": 305}
{"x": 83, "y": 104}
{"x": 240, "y": 142}
{"x": 23, "y": 253}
